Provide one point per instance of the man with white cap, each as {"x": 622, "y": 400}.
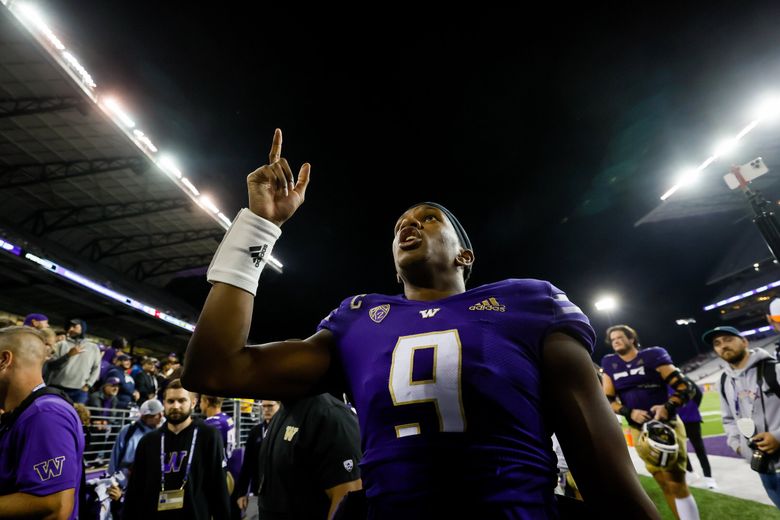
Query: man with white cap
{"x": 123, "y": 454}
{"x": 750, "y": 404}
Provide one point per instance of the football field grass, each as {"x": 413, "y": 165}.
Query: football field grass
{"x": 710, "y": 413}
{"x": 712, "y": 505}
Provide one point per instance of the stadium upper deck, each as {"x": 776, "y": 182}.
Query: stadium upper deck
{"x": 87, "y": 196}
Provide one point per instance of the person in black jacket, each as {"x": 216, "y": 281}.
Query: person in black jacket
{"x": 309, "y": 459}
{"x": 189, "y": 482}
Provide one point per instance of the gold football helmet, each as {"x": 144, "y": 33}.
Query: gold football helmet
{"x": 657, "y": 444}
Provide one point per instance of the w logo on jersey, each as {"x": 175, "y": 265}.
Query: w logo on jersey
{"x": 49, "y": 469}
{"x": 429, "y": 313}
{"x": 175, "y": 461}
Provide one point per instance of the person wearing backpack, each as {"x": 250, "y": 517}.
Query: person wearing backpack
{"x": 123, "y": 454}
{"x": 41, "y": 442}
{"x": 749, "y": 389}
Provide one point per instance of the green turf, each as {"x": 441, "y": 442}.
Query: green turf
{"x": 712, "y": 424}
{"x": 712, "y": 505}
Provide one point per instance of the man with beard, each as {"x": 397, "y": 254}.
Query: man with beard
{"x": 179, "y": 470}
{"x": 457, "y": 390}
{"x": 635, "y": 382}
{"x": 749, "y": 390}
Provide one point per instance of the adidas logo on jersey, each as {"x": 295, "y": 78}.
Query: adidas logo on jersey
{"x": 491, "y": 304}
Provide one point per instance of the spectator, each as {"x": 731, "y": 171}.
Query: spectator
{"x": 41, "y": 440}
{"x": 82, "y": 368}
{"x": 309, "y": 459}
{"x": 123, "y": 453}
{"x": 749, "y": 392}
{"x": 36, "y": 321}
{"x": 61, "y": 335}
{"x": 128, "y": 395}
{"x": 146, "y": 381}
{"x": 179, "y": 470}
{"x": 106, "y": 398}
{"x": 104, "y": 404}
{"x": 249, "y": 477}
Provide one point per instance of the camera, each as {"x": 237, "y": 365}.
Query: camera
{"x": 760, "y": 462}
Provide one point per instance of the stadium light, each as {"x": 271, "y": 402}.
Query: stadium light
{"x": 31, "y": 13}
{"x": 766, "y": 110}
{"x": 688, "y": 177}
{"x": 117, "y": 110}
{"x": 221, "y": 216}
{"x": 687, "y": 322}
{"x": 145, "y": 140}
{"x": 209, "y": 204}
{"x": 606, "y": 304}
{"x": 79, "y": 68}
{"x": 168, "y": 165}
{"x": 190, "y": 186}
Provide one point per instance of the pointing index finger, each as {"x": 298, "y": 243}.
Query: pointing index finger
{"x": 276, "y": 147}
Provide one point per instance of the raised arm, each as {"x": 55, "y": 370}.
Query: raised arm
{"x": 217, "y": 361}
{"x": 588, "y": 431}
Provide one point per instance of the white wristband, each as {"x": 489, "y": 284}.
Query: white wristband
{"x": 244, "y": 251}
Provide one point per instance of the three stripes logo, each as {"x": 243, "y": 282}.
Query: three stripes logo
{"x": 491, "y": 304}
{"x": 258, "y": 253}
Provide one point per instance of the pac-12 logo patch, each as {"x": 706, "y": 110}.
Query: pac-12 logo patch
{"x": 348, "y": 465}
{"x": 380, "y": 312}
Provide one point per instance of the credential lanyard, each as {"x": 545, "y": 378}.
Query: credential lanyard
{"x": 189, "y": 460}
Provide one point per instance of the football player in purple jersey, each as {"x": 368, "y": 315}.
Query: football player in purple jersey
{"x": 635, "y": 382}
{"x": 457, "y": 391}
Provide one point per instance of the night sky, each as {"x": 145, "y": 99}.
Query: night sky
{"x": 548, "y": 135}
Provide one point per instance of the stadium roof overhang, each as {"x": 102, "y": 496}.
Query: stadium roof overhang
{"x": 87, "y": 194}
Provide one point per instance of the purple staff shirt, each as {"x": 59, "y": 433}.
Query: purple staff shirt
{"x": 40, "y": 454}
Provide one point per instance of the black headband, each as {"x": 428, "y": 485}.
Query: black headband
{"x": 463, "y": 237}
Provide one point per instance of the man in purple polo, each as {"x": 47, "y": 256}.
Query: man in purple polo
{"x": 41, "y": 441}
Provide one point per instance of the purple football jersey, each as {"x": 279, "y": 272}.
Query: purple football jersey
{"x": 41, "y": 452}
{"x": 637, "y": 382}
{"x": 448, "y": 392}
{"x": 224, "y": 423}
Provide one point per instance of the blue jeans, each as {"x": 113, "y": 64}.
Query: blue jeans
{"x": 771, "y": 484}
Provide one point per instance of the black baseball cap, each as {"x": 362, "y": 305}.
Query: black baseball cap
{"x": 708, "y": 336}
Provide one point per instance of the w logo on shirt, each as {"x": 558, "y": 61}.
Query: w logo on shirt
{"x": 175, "y": 460}
{"x": 49, "y": 469}
{"x": 429, "y": 313}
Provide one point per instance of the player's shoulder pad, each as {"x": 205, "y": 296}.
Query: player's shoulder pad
{"x": 606, "y": 359}
{"x": 657, "y": 353}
